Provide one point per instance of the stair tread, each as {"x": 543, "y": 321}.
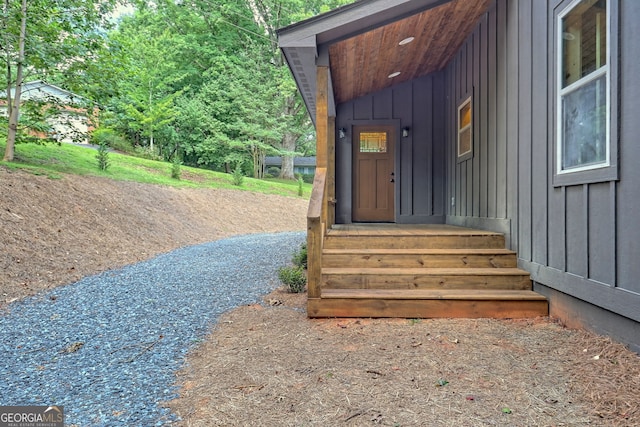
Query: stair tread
{"x": 448, "y": 294}
{"x": 471, "y": 251}
{"x": 451, "y": 271}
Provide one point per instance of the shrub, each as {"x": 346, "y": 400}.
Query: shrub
{"x": 238, "y": 176}
{"x": 308, "y": 178}
{"x": 111, "y": 138}
{"x": 175, "y": 167}
{"x": 103, "y": 156}
{"x": 273, "y": 171}
{"x": 294, "y": 277}
{"x": 300, "y": 186}
{"x": 300, "y": 258}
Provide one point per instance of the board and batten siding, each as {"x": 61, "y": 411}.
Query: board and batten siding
{"x": 420, "y": 157}
{"x": 578, "y": 240}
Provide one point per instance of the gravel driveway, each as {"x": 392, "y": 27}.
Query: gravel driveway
{"x": 107, "y": 347}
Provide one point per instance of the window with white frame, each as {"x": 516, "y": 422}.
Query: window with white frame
{"x": 583, "y": 95}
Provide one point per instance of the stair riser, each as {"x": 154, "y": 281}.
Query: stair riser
{"x": 338, "y": 307}
{"x": 365, "y": 281}
{"x": 419, "y": 261}
{"x": 415, "y": 242}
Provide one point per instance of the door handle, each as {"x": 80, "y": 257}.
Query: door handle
{"x": 392, "y": 177}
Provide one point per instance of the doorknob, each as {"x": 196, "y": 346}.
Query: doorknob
{"x": 392, "y": 177}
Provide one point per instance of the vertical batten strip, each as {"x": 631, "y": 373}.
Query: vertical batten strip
{"x": 613, "y": 232}
{"x": 565, "y": 240}
{"x": 585, "y": 213}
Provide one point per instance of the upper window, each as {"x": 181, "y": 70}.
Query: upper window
{"x": 584, "y": 88}
{"x": 465, "y": 134}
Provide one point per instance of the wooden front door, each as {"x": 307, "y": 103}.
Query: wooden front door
{"x": 373, "y": 174}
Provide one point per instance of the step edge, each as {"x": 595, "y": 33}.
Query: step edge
{"x": 427, "y": 294}
{"x": 425, "y": 271}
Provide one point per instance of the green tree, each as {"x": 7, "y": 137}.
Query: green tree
{"x": 41, "y": 38}
{"x": 207, "y": 79}
{"x": 270, "y": 16}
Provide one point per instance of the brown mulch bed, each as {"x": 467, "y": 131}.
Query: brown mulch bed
{"x": 268, "y": 365}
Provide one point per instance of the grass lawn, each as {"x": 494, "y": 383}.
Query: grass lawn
{"x": 54, "y": 160}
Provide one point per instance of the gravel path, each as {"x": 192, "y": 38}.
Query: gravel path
{"x": 107, "y": 347}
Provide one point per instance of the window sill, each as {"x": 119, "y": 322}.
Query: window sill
{"x": 605, "y": 174}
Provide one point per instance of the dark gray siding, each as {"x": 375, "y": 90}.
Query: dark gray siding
{"x": 420, "y": 169}
{"x": 478, "y": 189}
{"x": 581, "y": 240}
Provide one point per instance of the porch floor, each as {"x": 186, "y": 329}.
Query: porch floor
{"x": 424, "y": 270}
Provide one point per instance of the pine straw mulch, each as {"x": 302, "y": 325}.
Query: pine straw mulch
{"x": 268, "y": 365}
{"x": 56, "y": 231}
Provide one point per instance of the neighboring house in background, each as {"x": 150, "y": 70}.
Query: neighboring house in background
{"x": 508, "y": 116}
{"x": 73, "y": 122}
{"x": 301, "y": 165}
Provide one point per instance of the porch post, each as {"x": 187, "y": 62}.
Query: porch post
{"x": 322, "y": 115}
{"x": 331, "y": 173}
{"x": 317, "y": 214}
{"x": 322, "y": 131}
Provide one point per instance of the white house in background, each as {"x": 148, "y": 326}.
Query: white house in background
{"x": 72, "y": 124}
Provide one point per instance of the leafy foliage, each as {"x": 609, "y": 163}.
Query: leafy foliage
{"x": 208, "y": 77}
{"x": 103, "y": 156}
{"x": 238, "y": 175}
{"x": 294, "y": 277}
{"x": 300, "y": 257}
{"x": 176, "y": 164}
{"x": 202, "y": 78}
{"x": 42, "y": 39}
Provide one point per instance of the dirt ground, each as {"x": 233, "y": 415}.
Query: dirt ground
{"x": 268, "y": 365}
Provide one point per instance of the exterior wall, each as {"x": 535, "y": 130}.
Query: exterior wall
{"x": 301, "y": 165}
{"x": 420, "y": 183}
{"x": 477, "y": 193}
{"x": 579, "y": 241}
{"x": 305, "y": 170}
{"x": 73, "y": 122}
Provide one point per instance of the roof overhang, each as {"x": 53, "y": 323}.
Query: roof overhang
{"x": 359, "y": 43}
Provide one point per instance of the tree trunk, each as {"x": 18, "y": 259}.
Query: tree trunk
{"x": 14, "y": 105}
{"x": 288, "y": 145}
{"x": 151, "y": 121}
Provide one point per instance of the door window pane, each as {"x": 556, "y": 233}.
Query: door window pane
{"x": 373, "y": 142}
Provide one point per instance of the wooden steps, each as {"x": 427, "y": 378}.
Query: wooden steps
{"x": 390, "y": 270}
{"x": 430, "y": 278}
{"x": 419, "y": 258}
{"x": 427, "y": 304}
{"x": 419, "y": 241}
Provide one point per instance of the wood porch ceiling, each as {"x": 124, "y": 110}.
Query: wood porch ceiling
{"x": 361, "y": 65}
